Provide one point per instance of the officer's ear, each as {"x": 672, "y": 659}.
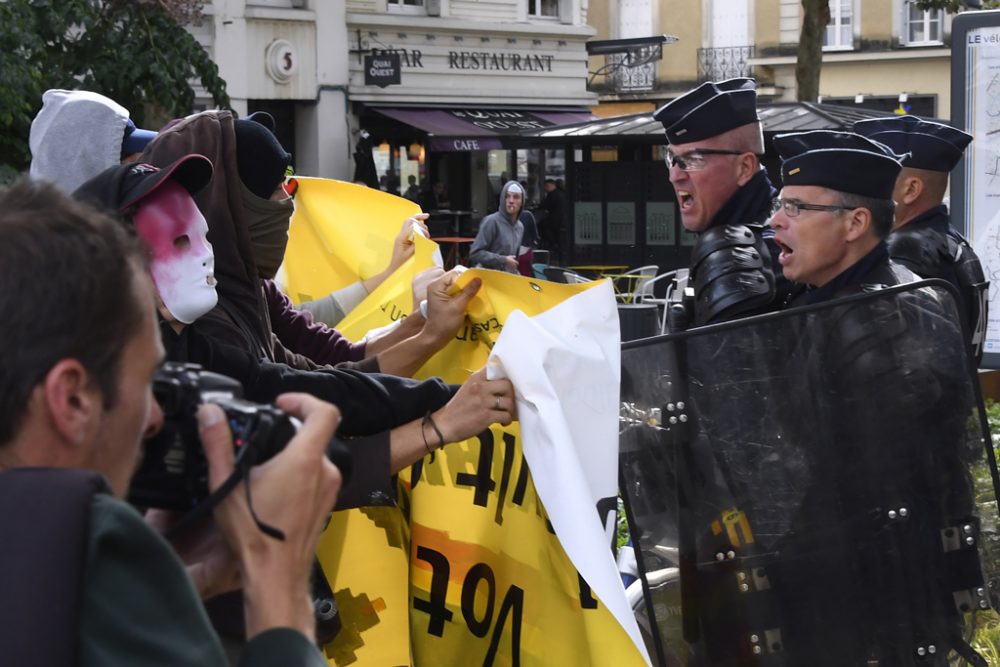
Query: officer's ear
{"x": 910, "y": 190}
{"x": 747, "y": 166}
{"x": 859, "y": 222}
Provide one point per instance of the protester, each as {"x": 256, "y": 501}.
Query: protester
{"x": 77, "y": 134}
{"x": 76, "y": 393}
{"x": 923, "y": 240}
{"x": 499, "y": 238}
{"x": 392, "y": 422}
{"x": 713, "y": 157}
{"x": 248, "y": 214}
{"x": 834, "y": 214}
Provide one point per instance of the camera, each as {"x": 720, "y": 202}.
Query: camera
{"x": 173, "y": 473}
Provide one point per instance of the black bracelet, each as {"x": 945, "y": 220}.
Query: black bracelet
{"x": 430, "y": 420}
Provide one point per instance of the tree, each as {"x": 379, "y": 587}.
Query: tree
{"x": 136, "y": 52}
{"x": 815, "y": 16}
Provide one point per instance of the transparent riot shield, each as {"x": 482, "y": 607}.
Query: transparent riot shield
{"x": 813, "y": 487}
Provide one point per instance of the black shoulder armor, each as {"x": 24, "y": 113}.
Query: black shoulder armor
{"x": 922, "y": 250}
{"x": 732, "y": 274}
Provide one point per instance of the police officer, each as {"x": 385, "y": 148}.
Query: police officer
{"x": 715, "y": 143}
{"x": 923, "y": 239}
{"x": 834, "y": 214}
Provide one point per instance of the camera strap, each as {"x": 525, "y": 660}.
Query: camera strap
{"x": 241, "y": 473}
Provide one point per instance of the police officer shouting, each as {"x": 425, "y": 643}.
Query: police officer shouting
{"x": 715, "y": 143}
{"x": 834, "y": 214}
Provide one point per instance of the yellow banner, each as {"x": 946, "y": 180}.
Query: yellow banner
{"x": 466, "y": 570}
{"x": 340, "y": 233}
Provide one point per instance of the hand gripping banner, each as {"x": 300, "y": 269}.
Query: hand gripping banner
{"x": 468, "y": 569}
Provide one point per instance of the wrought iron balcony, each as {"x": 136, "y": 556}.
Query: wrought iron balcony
{"x": 724, "y": 62}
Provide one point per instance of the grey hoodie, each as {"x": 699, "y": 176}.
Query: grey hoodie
{"x": 498, "y": 236}
{"x": 76, "y": 135}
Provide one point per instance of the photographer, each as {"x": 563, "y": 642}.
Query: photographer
{"x": 85, "y": 579}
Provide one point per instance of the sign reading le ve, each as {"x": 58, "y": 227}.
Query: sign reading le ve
{"x": 382, "y": 70}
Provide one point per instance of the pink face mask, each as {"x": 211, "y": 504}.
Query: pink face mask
{"x": 183, "y": 265}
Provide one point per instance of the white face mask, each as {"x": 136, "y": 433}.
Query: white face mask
{"x": 183, "y": 264}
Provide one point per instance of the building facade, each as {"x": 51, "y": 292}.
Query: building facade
{"x": 431, "y": 89}
{"x": 884, "y": 54}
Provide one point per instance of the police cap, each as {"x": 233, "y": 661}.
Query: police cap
{"x": 841, "y": 161}
{"x": 709, "y": 110}
{"x": 932, "y": 146}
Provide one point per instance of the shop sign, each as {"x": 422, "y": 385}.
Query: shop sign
{"x": 382, "y": 70}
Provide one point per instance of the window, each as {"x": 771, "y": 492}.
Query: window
{"x": 406, "y": 6}
{"x": 840, "y": 30}
{"x": 922, "y": 27}
{"x": 543, "y": 8}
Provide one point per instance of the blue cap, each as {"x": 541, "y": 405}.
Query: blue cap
{"x": 842, "y": 161}
{"x": 932, "y": 146}
{"x": 134, "y": 140}
{"x": 709, "y": 110}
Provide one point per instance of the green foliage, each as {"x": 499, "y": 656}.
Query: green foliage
{"x": 135, "y": 52}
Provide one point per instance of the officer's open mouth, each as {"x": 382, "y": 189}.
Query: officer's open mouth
{"x": 785, "y": 249}
{"x": 684, "y": 199}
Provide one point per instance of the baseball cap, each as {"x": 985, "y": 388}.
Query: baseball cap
{"x": 123, "y": 186}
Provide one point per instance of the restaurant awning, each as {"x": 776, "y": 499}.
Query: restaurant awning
{"x": 776, "y": 117}
{"x": 479, "y": 129}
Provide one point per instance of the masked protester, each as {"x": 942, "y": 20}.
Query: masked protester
{"x": 248, "y": 213}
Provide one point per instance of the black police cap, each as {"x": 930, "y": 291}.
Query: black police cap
{"x": 118, "y": 188}
{"x": 841, "y": 161}
{"x": 709, "y": 110}
{"x": 932, "y": 146}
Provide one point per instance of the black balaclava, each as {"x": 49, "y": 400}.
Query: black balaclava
{"x": 262, "y": 163}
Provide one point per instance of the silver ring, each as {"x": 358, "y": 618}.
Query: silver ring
{"x": 498, "y": 403}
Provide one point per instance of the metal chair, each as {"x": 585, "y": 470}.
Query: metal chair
{"x": 628, "y": 291}
{"x": 576, "y": 278}
{"x": 647, "y": 294}
{"x": 558, "y": 274}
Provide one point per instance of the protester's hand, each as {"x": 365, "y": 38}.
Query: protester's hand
{"x": 403, "y": 246}
{"x": 293, "y": 492}
{"x": 210, "y": 563}
{"x": 478, "y": 403}
{"x": 510, "y": 262}
{"x": 421, "y": 283}
{"x": 445, "y": 312}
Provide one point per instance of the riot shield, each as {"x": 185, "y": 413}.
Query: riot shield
{"x": 813, "y": 487}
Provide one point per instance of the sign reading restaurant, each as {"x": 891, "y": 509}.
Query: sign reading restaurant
{"x": 512, "y": 62}
{"x": 477, "y": 60}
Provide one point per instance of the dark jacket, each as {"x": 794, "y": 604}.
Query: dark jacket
{"x": 321, "y": 344}
{"x": 371, "y": 404}
{"x": 109, "y": 592}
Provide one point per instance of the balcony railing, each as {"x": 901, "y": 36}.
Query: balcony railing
{"x": 724, "y": 62}
{"x": 625, "y": 75}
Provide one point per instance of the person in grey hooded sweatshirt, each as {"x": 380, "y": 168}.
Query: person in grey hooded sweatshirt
{"x": 78, "y": 134}
{"x": 500, "y": 233}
